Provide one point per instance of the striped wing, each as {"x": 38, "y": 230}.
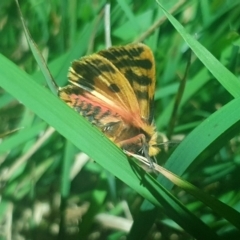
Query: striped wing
{"x": 136, "y": 63}
{"x": 102, "y": 79}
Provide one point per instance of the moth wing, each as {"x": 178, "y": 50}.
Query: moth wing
{"x": 102, "y": 79}
{"x": 136, "y": 63}
{"x": 92, "y": 108}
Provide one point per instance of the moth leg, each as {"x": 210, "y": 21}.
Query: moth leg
{"x": 137, "y": 145}
{"x": 134, "y": 144}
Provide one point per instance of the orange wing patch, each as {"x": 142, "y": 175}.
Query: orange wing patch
{"x": 114, "y": 90}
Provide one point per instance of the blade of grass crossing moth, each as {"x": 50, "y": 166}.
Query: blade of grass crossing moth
{"x": 84, "y": 136}
{"x": 38, "y": 56}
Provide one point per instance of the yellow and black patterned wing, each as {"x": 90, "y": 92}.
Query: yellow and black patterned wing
{"x": 136, "y": 63}
{"x": 102, "y": 79}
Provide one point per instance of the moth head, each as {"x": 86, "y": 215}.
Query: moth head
{"x": 153, "y": 145}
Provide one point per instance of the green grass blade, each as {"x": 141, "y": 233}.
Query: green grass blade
{"x": 209, "y": 136}
{"x": 22, "y": 136}
{"x": 229, "y": 81}
{"x": 38, "y": 56}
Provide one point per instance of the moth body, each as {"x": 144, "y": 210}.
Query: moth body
{"x": 114, "y": 90}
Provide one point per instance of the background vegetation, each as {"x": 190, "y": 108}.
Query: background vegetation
{"x": 51, "y": 190}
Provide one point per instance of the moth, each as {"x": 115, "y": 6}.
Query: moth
{"x": 114, "y": 90}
